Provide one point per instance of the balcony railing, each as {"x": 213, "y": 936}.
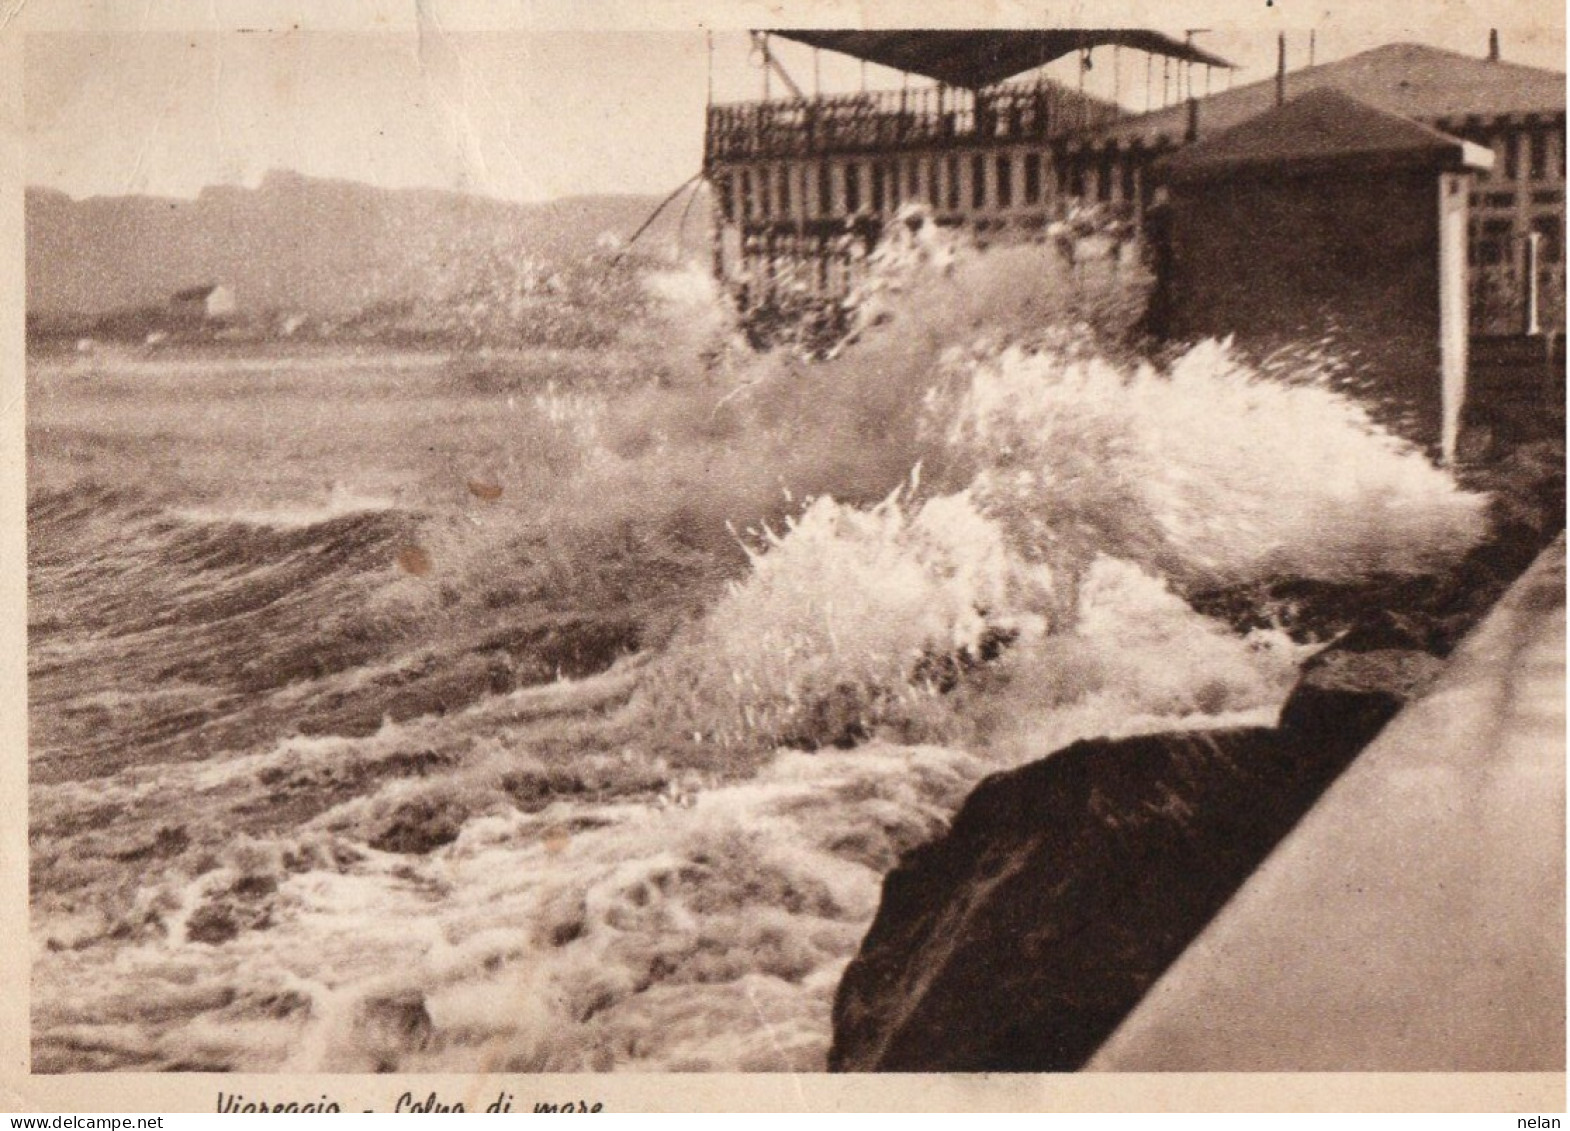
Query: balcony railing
{"x": 900, "y": 119}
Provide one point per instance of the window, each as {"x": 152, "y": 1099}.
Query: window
{"x": 725, "y": 189}
{"x": 1032, "y": 178}
{"x": 893, "y": 179}
{"x": 934, "y": 184}
{"x": 1493, "y": 243}
{"x": 1513, "y": 156}
{"x": 852, "y": 187}
{"x": 764, "y": 202}
{"x": 978, "y": 181}
{"x": 953, "y": 184}
{"x": 877, "y": 187}
{"x": 784, "y": 193}
{"x": 1130, "y": 179}
{"x": 913, "y": 180}
{"x": 825, "y": 191}
{"x": 744, "y": 179}
{"x": 1005, "y": 181}
{"x": 1549, "y": 248}
{"x": 1539, "y": 161}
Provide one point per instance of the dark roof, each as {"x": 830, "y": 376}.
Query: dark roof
{"x": 1321, "y": 128}
{"x": 191, "y": 294}
{"x": 978, "y": 58}
{"x": 1409, "y": 79}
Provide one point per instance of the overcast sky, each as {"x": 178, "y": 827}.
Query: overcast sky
{"x": 522, "y": 115}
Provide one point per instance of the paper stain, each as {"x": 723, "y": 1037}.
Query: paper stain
{"x": 556, "y": 841}
{"x": 415, "y": 560}
{"x": 485, "y": 492}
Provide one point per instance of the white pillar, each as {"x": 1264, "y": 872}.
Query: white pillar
{"x": 1452, "y": 310}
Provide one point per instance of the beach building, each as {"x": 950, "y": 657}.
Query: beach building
{"x": 1517, "y": 112}
{"x": 805, "y": 183}
{"x": 1327, "y": 214}
{"x": 211, "y": 302}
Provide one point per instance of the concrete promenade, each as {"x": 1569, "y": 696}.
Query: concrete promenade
{"x": 1415, "y": 919}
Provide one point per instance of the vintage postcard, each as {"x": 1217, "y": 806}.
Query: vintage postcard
{"x": 798, "y": 557}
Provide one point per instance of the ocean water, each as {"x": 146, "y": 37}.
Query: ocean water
{"x": 393, "y": 712}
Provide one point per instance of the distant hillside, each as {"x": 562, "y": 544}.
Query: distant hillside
{"x": 321, "y": 247}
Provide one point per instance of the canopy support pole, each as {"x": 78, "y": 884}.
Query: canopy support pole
{"x": 770, "y": 63}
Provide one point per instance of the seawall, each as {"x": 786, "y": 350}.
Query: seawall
{"x": 1415, "y": 919}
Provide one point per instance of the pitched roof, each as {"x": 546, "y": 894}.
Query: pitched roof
{"x": 977, "y": 58}
{"x": 1409, "y": 79}
{"x": 1320, "y": 128}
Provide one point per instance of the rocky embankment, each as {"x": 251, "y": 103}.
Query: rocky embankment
{"x": 1063, "y": 889}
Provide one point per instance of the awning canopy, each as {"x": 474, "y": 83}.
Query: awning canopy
{"x": 978, "y": 58}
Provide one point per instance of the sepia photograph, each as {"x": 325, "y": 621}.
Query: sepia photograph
{"x": 782, "y": 545}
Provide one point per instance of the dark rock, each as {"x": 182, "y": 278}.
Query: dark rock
{"x": 1061, "y": 892}
{"x": 1021, "y": 939}
{"x": 1346, "y": 697}
{"x": 1390, "y": 630}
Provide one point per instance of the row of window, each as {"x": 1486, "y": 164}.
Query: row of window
{"x": 995, "y": 181}
{"x": 1531, "y": 151}
{"x": 1507, "y": 199}
{"x": 944, "y": 182}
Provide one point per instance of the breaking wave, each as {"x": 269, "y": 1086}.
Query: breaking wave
{"x": 608, "y": 778}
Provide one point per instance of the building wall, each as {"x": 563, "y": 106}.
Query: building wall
{"x": 1353, "y": 256}
{"x": 1523, "y": 194}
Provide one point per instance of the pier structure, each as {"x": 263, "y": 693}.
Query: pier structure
{"x": 806, "y": 184}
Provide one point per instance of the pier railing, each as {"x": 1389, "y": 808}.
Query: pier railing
{"x": 900, "y": 119}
